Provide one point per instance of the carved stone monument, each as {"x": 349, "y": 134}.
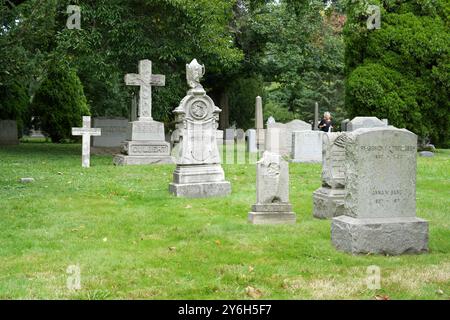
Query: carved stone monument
{"x": 145, "y": 143}
{"x": 380, "y": 194}
{"x": 272, "y": 185}
{"x": 199, "y": 173}
{"x": 329, "y": 199}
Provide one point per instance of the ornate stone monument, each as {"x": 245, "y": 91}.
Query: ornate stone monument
{"x": 272, "y": 185}
{"x": 199, "y": 173}
{"x": 329, "y": 199}
{"x": 145, "y": 143}
{"x": 380, "y": 194}
{"x": 86, "y": 132}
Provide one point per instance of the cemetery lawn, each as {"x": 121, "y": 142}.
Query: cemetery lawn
{"x": 132, "y": 240}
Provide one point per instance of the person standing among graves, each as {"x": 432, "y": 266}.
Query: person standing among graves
{"x": 326, "y": 125}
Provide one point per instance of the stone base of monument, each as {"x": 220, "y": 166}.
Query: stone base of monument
{"x": 276, "y": 213}
{"x": 199, "y": 181}
{"x": 391, "y": 236}
{"x": 124, "y": 160}
{"x": 144, "y": 152}
{"x": 328, "y": 203}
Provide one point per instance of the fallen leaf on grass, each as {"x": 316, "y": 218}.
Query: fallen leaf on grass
{"x": 217, "y": 242}
{"x": 253, "y": 292}
{"x": 382, "y": 297}
{"x": 188, "y": 206}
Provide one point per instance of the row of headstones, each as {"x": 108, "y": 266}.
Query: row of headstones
{"x": 297, "y": 138}
{"x": 368, "y": 190}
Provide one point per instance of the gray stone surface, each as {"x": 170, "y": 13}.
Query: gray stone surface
{"x": 145, "y": 139}
{"x": 86, "y": 132}
{"x": 344, "y": 124}
{"x": 391, "y": 236}
{"x": 125, "y": 160}
{"x": 328, "y": 200}
{"x": 229, "y": 136}
{"x": 240, "y": 136}
{"x": 272, "y": 190}
{"x": 199, "y": 173}
{"x": 307, "y": 146}
{"x": 252, "y": 145}
{"x": 259, "y": 123}
{"x": 380, "y": 194}
{"x": 427, "y": 154}
{"x": 365, "y": 122}
{"x": 8, "y": 132}
{"x": 219, "y": 137}
{"x": 114, "y": 132}
{"x": 286, "y": 130}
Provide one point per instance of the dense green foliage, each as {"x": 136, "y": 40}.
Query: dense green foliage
{"x": 401, "y": 71}
{"x": 291, "y": 52}
{"x": 60, "y": 103}
{"x": 14, "y": 103}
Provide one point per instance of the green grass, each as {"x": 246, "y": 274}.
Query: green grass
{"x": 132, "y": 240}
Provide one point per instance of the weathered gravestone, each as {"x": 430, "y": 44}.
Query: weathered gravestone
{"x": 344, "y": 124}
{"x": 219, "y": 137}
{"x": 307, "y": 146}
{"x": 328, "y": 200}
{"x": 286, "y": 130}
{"x": 380, "y": 194}
{"x": 240, "y": 136}
{"x": 8, "y": 132}
{"x": 252, "y": 144}
{"x": 272, "y": 185}
{"x": 229, "y": 136}
{"x": 198, "y": 173}
{"x": 86, "y": 132}
{"x": 145, "y": 142}
{"x": 364, "y": 122}
{"x": 114, "y": 132}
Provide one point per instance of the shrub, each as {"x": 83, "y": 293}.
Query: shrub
{"x": 60, "y": 103}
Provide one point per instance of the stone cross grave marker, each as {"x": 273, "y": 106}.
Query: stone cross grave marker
{"x": 86, "y": 132}
{"x": 145, "y": 80}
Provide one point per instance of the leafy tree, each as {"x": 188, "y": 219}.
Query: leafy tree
{"x": 14, "y": 103}
{"x": 59, "y": 103}
{"x": 401, "y": 71}
{"x": 300, "y": 54}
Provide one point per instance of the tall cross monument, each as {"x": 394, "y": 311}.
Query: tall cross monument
{"x": 145, "y": 80}
{"x": 145, "y": 142}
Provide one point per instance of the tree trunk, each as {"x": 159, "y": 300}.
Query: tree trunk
{"x": 224, "y": 122}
